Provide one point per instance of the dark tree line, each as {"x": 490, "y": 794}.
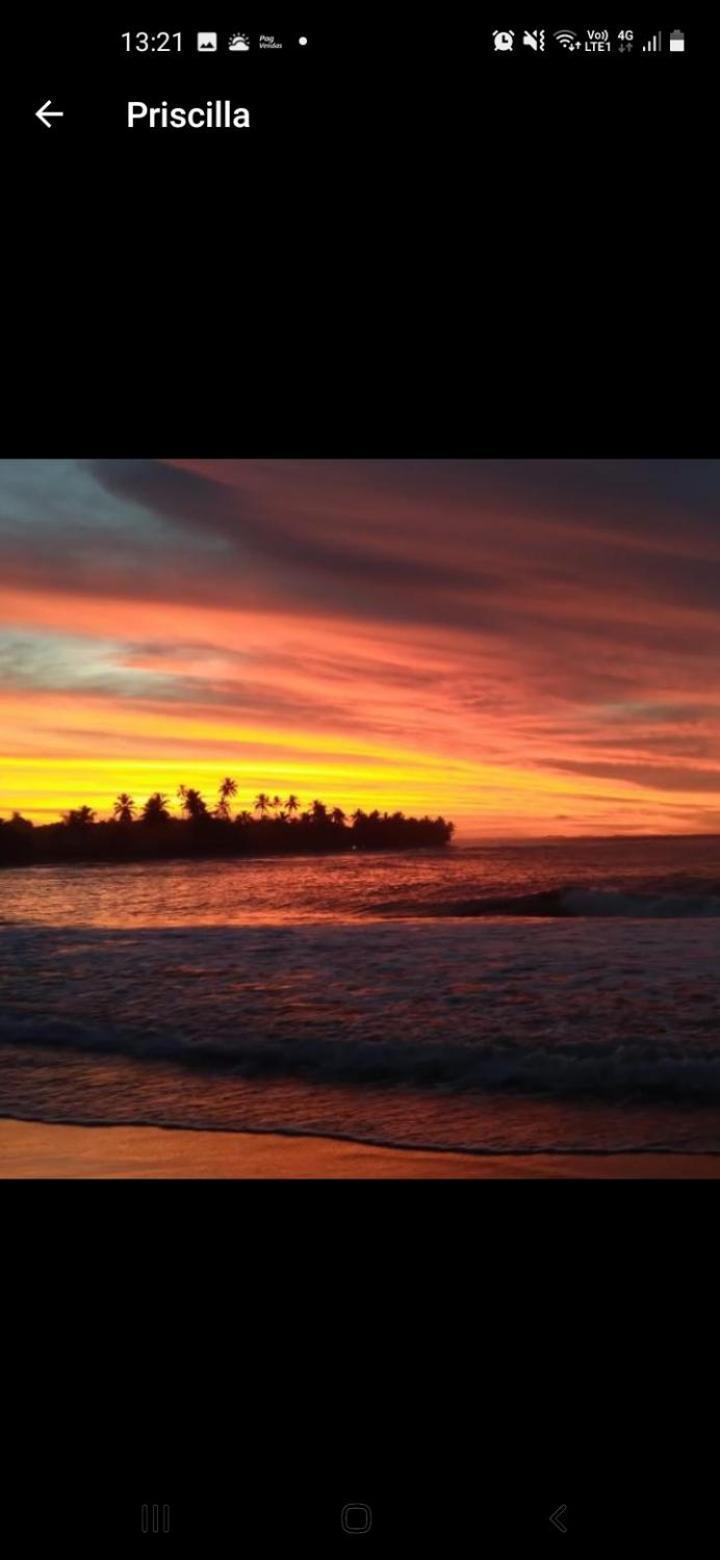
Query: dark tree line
{"x": 273, "y": 827}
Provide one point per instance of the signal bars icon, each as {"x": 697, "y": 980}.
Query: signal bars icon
{"x": 653, "y": 45}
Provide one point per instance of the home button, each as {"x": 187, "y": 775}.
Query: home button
{"x": 356, "y": 1517}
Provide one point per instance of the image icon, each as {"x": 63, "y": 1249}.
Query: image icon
{"x": 207, "y": 42}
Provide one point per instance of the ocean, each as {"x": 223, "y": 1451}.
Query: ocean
{"x": 554, "y": 996}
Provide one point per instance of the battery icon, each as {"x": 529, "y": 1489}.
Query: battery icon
{"x": 677, "y": 42}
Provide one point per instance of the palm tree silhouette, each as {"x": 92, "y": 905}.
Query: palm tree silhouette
{"x": 79, "y": 817}
{"x": 227, "y": 788}
{"x": 156, "y": 809}
{"x": 19, "y": 824}
{"x": 319, "y": 830}
{"x": 124, "y": 808}
{"x": 192, "y": 802}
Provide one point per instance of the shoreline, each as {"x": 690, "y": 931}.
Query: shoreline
{"x": 38, "y": 1150}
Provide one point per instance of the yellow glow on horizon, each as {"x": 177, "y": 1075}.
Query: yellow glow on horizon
{"x": 484, "y": 799}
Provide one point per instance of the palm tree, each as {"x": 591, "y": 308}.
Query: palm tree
{"x": 20, "y": 825}
{"x": 337, "y": 815}
{"x": 276, "y": 804}
{"x": 245, "y": 818}
{"x": 192, "y": 802}
{"x": 79, "y": 817}
{"x": 227, "y": 788}
{"x": 292, "y": 806}
{"x": 124, "y": 808}
{"x": 156, "y": 809}
{"x": 319, "y": 812}
{"x": 196, "y": 804}
{"x": 262, "y": 804}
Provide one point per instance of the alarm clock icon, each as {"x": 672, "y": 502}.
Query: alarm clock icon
{"x": 503, "y": 40}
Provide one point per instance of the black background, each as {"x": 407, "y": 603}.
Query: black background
{"x": 420, "y": 248}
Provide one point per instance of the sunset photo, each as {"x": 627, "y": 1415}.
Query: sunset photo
{"x": 359, "y": 818}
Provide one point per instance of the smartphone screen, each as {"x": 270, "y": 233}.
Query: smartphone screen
{"x": 359, "y": 776}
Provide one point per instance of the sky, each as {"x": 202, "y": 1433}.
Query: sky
{"x": 527, "y": 647}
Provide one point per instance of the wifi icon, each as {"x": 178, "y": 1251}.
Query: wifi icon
{"x": 568, "y": 39}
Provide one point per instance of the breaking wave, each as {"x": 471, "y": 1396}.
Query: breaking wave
{"x": 567, "y": 1070}
{"x": 570, "y": 901}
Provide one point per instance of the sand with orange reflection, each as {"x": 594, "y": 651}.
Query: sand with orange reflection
{"x": 34, "y": 1150}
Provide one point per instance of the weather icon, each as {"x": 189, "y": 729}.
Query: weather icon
{"x": 238, "y": 43}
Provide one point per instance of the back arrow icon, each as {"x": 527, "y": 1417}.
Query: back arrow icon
{"x": 557, "y": 1519}
{"x": 46, "y": 113}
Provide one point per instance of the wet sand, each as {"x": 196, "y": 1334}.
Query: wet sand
{"x": 32, "y": 1149}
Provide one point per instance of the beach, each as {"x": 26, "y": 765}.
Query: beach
{"x": 360, "y": 803}
{"x": 37, "y": 1150}
{"x": 350, "y": 1017}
